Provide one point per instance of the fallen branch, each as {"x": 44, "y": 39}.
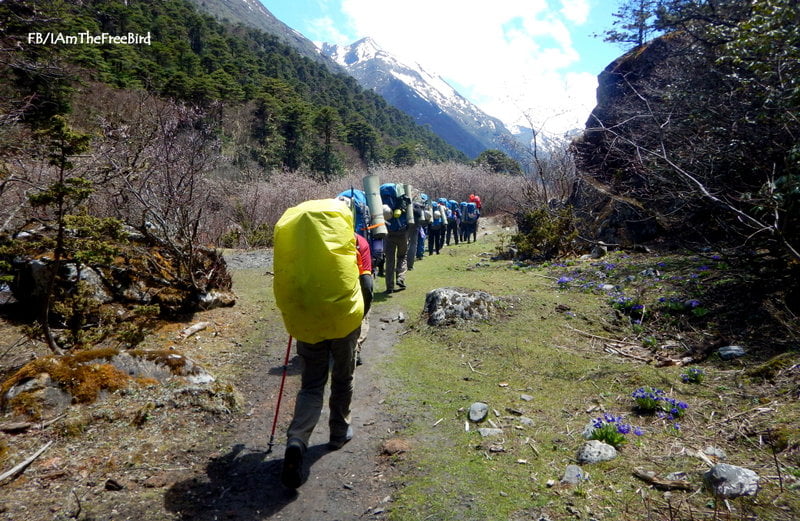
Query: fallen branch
{"x": 619, "y": 352}
{"x": 474, "y": 370}
{"x": 191, "y": 330}
{"x": 663, "y": 484}
{"x": 21, "y": 467}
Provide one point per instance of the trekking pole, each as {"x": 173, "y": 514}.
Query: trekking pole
{"x": 280, "y": 395}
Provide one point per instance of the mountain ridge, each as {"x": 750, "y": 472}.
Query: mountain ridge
{"x": 425, "y": 96}
{"x": 254, "y": 14}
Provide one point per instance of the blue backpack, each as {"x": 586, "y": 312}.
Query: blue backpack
{"x": 360, "y": 210}
{"x": 437, "y": 222}
{"x": 391, "y": 197}
{"x": 444, "y": 205}
{"x": 470, "y": 214}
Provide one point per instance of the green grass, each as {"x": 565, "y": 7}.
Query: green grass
{"x": 531, "y": 347}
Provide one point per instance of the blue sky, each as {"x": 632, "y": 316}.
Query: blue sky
{"x": 531, "y": 62}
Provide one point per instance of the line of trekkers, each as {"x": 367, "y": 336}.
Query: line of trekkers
{"x": 398, "y": 220}
{"x": 323, "y": 286}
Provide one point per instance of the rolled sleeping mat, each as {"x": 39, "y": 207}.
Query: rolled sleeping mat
{"x": 408, "y": 189}
{"x": 372, "y": 187}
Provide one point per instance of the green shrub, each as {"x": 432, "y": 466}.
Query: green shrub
{"x": 545, "y": 234}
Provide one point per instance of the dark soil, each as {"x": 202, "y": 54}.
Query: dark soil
{"x": 351, "y": 483}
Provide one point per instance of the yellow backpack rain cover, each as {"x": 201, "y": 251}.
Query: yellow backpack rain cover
{"x": 316, "y": 282}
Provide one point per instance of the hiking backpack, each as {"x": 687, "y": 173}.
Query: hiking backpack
{"x": 360, "y": 210}
{"x": 315, "y": 282}
{"x": 470, "y": 214}
{"x": 392, "y": 196}
{"x": 437, "y": 222}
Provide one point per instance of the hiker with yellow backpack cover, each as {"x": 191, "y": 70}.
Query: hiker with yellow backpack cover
{"x": 323, "y": 286}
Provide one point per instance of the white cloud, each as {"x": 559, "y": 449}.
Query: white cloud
{"x": 576, "y": 11}
{"x": 326, "y": 30}
{"x": 507, "y": 56}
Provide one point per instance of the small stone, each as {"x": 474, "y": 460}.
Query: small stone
{"x": 731, "y": 352}
{"x": 595, "y": 451}
{"x": 526, "y": 397}
{"x": 478, "y": 412}
{"x": 574, "y": 475}
{"x": 487, "y": 432}
{"x": 715, "y": 452}
{"x": 113, "y": 484}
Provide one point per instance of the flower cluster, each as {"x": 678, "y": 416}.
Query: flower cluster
{"x": 650, "y": 400}
{"x": 693, "y": 376}
{"x": 629, "y": 305}
{"x": 612, "y": 430}
{"x": 678, "y": 305}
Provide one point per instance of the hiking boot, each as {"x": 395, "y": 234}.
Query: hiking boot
{"x": 401, "y": 284}
{"x": 292, "y": 473}
{"x": 337, "y": 442}
{"x": 389, "y": 291}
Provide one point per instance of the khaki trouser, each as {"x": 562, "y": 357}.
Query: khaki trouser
{"x": 334, "y": 356}
{"x": 396, "y": 261}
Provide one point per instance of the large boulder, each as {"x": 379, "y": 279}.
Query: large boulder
{"x": 144, "y": 272}
{"x": 445, "y": 306}
{"x": 615, "y": 197}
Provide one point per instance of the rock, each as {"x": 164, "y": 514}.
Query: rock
{"x": 729, "y": 481}
{"x": 731, "y": 352}
{"x": 445, "y": 306}
{"x": 42, "y": 390}
{"x": 478, "y": 412}
{"x": 588, "y": 430}
{"x": 574, "y": 475}
{"x": 113, "y": 484}
{"x": 526, "y": 421}
{"x": 606, "y": 287}
{"x": 715, "y": 452}
{"x": 91, "y": 280}
{"x": 487, "y": 432}
{"x": 599, "y": 251}
{"x": 526, "y": 397}
{"x": 216, "y": 299}
{"x": 595, "y": 451}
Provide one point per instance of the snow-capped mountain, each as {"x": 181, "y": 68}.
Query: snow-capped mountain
{"x": 423, "y": 95}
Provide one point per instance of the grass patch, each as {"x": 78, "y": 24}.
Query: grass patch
{"x": 552, "y": 344}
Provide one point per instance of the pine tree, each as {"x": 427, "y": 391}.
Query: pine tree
{"x": 635, "y": 22}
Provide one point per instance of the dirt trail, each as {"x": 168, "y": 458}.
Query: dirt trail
{"x": 352, "y": 483}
